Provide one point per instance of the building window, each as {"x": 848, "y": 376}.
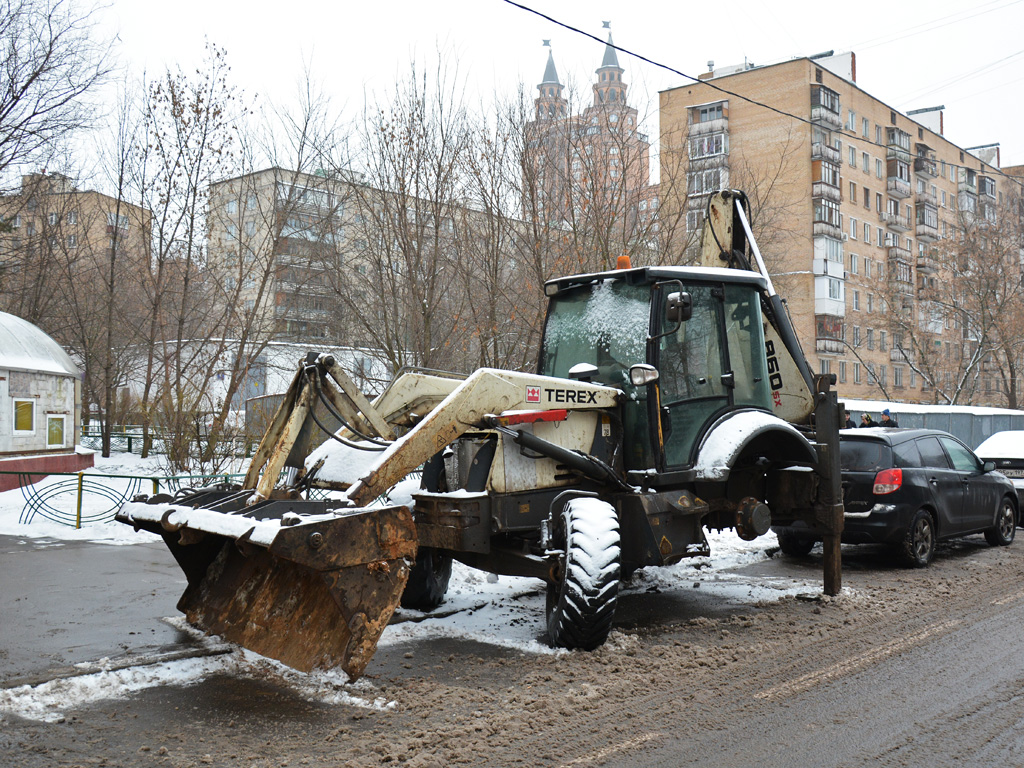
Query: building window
{"x": 867, "y": 268}
{"x": 853, "y": 229}
{"x": 52, "y": 219}
{"x": 851, "y": 120}
{"x": 72, "y": 241}
{"x": 853, "y": 157}
{"x": 865, "y": 126}
{"x": 842, "y": 371}
{"x": 835, "y": 288}
{"x": 878, "y": 168}
{"x": 867, "y": 233}
{"x": 897, "y": 376}
{"x": 871, "y": 338}
{"x": 854, "y": 266}
{"x": 856, "y": 373}
{"x": 878, "y": 202}
{"x": 55, "y": 430}
{"x": 881, "y": 341}
{"x": 708, "y": 146}
{"x": 856, "y": 301}
{"x": 882, "y": 237}
{"x": 826, "y": 367}
{"x": 232, "y": 207}
{"x": 24, "y": 417}
{"x": 871, "y": 304}
{"x": 709, "y": 113}
{"x": 856, "y": 335}
{"x": 867, "y": 198}
{"x": 853, "y": 192}
{"x": 865, "y": 162}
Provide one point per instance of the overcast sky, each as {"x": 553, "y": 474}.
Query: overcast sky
{"x": 910, "y": 54}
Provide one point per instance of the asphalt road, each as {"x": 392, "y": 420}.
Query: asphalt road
{"x": 907, "y": 668}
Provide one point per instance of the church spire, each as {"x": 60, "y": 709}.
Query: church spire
{"x": 550, "y": 103}
{"x": 609, "y": 88}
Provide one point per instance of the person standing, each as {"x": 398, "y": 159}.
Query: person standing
{"x": 888, "y": 420}
{"x": 866, "y": 421}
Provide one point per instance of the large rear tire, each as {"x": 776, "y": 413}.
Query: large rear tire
{"x": 428, "y": 580}
{"x": 585, "y": 582}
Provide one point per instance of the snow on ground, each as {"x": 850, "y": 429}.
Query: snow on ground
{"x": 504, "y": 611}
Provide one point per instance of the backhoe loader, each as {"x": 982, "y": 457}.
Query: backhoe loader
{"x": 666, "y": 400}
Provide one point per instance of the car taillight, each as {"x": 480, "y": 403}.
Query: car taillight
{"x": 887, "y": 481}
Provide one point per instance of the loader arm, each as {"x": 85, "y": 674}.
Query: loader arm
{"x": 487, "y": 391}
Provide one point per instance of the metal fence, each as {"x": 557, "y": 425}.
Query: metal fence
{"x": 81, "y": 498}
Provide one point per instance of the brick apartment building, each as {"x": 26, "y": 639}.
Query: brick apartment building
{"x": 851, "y": 202}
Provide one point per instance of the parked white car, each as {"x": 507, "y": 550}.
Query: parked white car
{"x": 1006, "y": 449}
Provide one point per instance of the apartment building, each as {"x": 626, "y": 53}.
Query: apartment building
{"x": 276, "y": 243}
{"x": 853, "y": 202}
{"x": 52, "y": 232}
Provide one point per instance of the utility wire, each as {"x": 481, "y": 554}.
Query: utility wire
{"x": 720, "y": 89}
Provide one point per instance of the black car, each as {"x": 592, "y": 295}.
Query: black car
{"x": 910, "y": 488}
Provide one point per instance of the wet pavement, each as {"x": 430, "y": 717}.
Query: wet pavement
{"x": 68, "y": 603}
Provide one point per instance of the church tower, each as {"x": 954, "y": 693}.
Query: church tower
{"x": 550, "y": 104}
{"x": 609, "y": 88}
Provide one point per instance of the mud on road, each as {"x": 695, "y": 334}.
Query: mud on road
{"x": 904, "y": 668}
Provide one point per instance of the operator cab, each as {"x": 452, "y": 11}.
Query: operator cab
{"x": 700, "y": 328}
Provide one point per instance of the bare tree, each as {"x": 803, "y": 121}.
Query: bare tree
{"x": 53, "y": 60}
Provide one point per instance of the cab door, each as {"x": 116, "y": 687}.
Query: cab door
{"x": 695, "y": 379}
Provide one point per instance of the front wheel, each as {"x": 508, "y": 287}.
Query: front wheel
{"x": 1002, "y": 533}
{"x": 919, "y": 541}
{"x": 585, "y": 581}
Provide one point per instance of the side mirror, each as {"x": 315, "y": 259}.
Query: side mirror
{"x": 988, "y": 466}
{"x": 679, "y": 307}
{"x": 641, "y": 374}
{"x": 583, "y": 372}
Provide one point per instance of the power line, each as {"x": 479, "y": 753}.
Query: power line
{"x": 726, "y": 91}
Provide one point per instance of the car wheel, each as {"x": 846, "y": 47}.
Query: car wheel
{"x": 919, "y": 542}
{"x": 428, "y": 580}
{"x": 1002, "y": 533}
{"x": 585, "y": 580}
{"x": 793, "y": 544}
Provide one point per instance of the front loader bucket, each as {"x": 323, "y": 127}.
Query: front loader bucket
{"x": 312, "y": 591}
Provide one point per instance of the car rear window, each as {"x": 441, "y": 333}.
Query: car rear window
{"x": 864, "y": 455}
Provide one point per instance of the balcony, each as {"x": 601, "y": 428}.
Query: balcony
{"x": 823, "y": 151}
{"x": 899, "y": 355}
{"x": 829, "y": 346}
{"x": 926, "y": 233}
{"x": 826, "y": 117}
{"x": 718, "y": 125}
{"x": 968, "y": 185}
{"x": 927, "y": 264}
{"x": 897, "y": 140}
{"x": 927, "y": 196}
{"x": 926, "y": 167}
{"x": 899, "y": 253}
{"x": 828, "y": 230}
{"x": 826, "y": 191}
{"x": 897, "y": 187}
{"x": 897, "y": 222}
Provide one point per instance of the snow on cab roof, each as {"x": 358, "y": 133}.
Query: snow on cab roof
{"x": 24, "y": 347}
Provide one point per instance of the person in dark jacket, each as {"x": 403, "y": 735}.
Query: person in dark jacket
{"x": 866, "y": 420}
{"x": 888, "y": 420}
